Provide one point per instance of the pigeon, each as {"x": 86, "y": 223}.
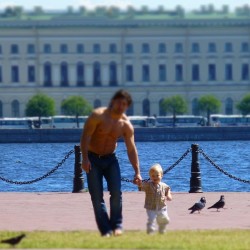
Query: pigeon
{"x": 198, "y": 206}
{"x": 219, "y": 204}
{"x": 14, "y": 241}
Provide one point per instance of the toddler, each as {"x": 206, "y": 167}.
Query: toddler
{"x": 157, "y": 193}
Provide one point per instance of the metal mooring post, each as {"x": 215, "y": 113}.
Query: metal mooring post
{"x": 195, "y": 180}
{"x": 78, "y": 184}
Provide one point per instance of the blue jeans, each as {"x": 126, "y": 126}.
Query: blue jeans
{"x": 107, "y": 167}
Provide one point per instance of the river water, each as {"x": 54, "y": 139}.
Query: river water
{"x": 25, "y": 162}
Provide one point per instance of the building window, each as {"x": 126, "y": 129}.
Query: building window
{"x": 64, "y": 74}
{"x": 112, "y": 74}
{"x": 162, "y": 73}
{"x": 245, "y": 72}
{"x": 229, "y": 72}
{"x": 195, "y": 72}
{"x": 211, "y": 47}
{"x": 97, "y": 103}
{"x": 112, "y": 48}
{"x": 244, "y": 47}
{"x": 145, "y": 73}
{"x": 47, "y": 75}
{"x": 80, "y": 48}
{"x": 31, "y": 73}
{"x": 228, "y": 47}
{"x": 129, "y": 73}
{"x": 178, "y": 72}
{"x": 64, "y": 48}
{"x": 1, "y": 76}
{"x": 1, "y": 109}
{"x": 162, "y": 48}
{"x": 14, "y": 49}
{"x": 161, "y": 109}
{"x": 178, "y": 48}
{"x": 129, "y": 48}
{"x": 145, "y": 48}
{"x": 47, "y": 48}
{"x": 31, "y": 49}
{"x": 15, "y": 108}
{"x": 97, "y": 74}
{"x": 80, "y": 74}
{"x": 195, "y": 107}
{"x": 229, "y": 106}
{"x": 211, "y": 72}
{"x": 97, "y": 48}
{"x": 146, "y": 107}
{"x": 195, "y": 48}
{"x": 1, "y": 49}
{"x": 14, "y": 73}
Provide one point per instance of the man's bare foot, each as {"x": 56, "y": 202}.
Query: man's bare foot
{"x": 117, "y": 232}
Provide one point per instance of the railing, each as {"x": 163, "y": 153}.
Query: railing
{"x": 78, "y": 182}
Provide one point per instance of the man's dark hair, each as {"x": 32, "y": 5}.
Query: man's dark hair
{"x": 123, "y": 94}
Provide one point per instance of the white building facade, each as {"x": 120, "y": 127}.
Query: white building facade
{"x": 152, "y": 54}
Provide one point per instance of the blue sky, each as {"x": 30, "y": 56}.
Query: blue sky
{"x": 152, "y": 4}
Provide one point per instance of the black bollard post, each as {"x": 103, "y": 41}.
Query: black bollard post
{"x": 195, "y": 180}
{"x": 78, "y": 178}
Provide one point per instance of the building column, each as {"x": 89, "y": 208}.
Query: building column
{"x": 89, "y": 75}
{"x": 105, "y": 74}
{"x": 72, "y": 75}
{"x": 56, "y": 75}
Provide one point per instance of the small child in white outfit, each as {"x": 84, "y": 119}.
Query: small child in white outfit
{"x": 157, "y": 194}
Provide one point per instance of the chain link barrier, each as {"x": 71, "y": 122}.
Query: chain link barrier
{"x": 167, "y": 170}
{"x": 42, "y": 177}
{"x": 220, "y": 169}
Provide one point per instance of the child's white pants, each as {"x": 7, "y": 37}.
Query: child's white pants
{"x": 159, "y": 216}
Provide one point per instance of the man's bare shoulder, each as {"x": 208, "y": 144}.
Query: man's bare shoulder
{"x": 97, "y": 113}
{"x": 128, "y": 127}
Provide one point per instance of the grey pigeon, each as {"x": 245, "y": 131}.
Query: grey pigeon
{"x": 14, "y": 241}
{"x": 198, "y": 206}
{"x": 219, "y": 204}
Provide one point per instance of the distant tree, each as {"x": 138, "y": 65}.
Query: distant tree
{"x": 76, "y": 106}
{"x": 175, "y": 105}
{"x": 244, "y": 105}
{"x": 40, "y": 105}
{"x": 209, "y": 104}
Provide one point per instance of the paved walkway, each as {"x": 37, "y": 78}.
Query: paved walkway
{"x": 68, "y": 211}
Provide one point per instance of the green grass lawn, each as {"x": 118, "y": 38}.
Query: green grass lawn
{"x": 174, "y": 240}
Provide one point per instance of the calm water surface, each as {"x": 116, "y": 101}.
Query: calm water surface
{"x": 24, "y": 162}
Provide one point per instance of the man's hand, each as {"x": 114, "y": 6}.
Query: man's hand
{"x": 86, "y": 166}
{"x": 137, "y": 179}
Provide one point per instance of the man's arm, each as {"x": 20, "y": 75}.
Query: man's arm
{"x": 132, "y": 151}
{"x": 88, "y": 130}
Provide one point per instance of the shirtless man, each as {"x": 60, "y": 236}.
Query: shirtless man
{"x": 98, "y": 143}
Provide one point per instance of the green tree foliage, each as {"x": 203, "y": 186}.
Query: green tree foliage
{"x": 244, "y": 105}
{"x": 209, "y": 104}
{"x": 40, "y": 105}
{"x": 76, "y": 106}
{"x": 175, "y": 105}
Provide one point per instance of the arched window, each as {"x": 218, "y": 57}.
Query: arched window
{"x": 15, "y": 108}
{"x": 80, "y": 74}
{"x": 97, "y": 74}
{"x": 161, "y": 111}
{"x": 1, "y": 109}
{"x": 130, "y": 110}
{"x": 64, "y": 74}
{"x": 229, "y": 106}
{"x": 112, "y": 74}
{"x": 97, "y": 103}
{"x": 195, "y": 108}
{"x": 47, "y": 71}
{"x": 146, "y": 107}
